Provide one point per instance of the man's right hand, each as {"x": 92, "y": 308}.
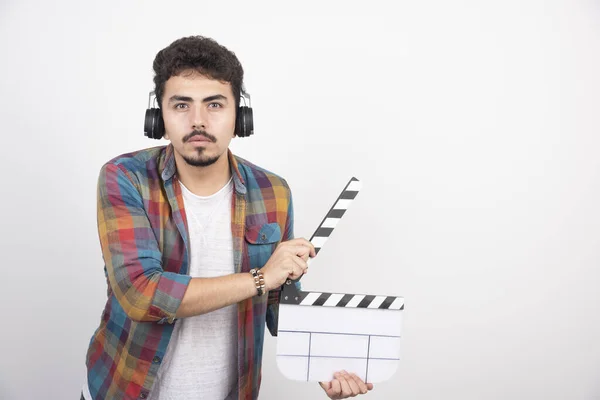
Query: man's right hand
{"x": 288, "y": 261}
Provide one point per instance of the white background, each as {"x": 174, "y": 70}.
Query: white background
{"x": 473, "y": 125}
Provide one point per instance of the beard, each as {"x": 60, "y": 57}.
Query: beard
{"x": 200, "y": 160}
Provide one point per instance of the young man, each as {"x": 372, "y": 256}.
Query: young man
{"x": 196, "y": 244}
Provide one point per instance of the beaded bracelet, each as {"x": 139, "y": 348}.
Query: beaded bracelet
{"x": 259, "y": 281}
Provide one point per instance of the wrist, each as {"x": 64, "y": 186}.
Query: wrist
{"x": 259, "y": 281}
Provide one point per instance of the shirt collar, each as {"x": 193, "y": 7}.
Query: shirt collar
{"x": 168, "y": 168}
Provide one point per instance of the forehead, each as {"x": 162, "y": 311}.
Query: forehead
{"x": 196, "y": 85}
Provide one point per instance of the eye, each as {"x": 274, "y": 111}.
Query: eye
{"x": 180, "y": 106}
{"x": 215, "y": 105}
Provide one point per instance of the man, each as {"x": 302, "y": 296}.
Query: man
{"x": 196, "y": 244}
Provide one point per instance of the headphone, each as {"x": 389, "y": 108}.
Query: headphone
{"x": 154, "y": 126}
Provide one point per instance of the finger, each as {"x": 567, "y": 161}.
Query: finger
{"x": 300, "y": 251}
{"x": 313, "y": 252}
{"x": 306, "y": 256}
{"x": 302, "y": 264}
{"x": 346, "y": 390}
{"x": 370, "y": 386}
{"x": 304, "y": 243}
{"x": 335, "y": 391}
{"x": 361, "y": 385}
{"x": 296, "y": 271}
{"x": 303, "y": 253}
{"x": 306, "y": 251}
{"x": 353, "y": 385}
{"x": 327, "y": 388}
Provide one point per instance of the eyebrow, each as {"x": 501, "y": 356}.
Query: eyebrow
{"x": 189, "y": 99}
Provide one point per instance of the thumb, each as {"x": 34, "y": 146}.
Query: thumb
{"x": 329, "y": 390}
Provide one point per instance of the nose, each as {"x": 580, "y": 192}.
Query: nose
{"x": 198, "y": 119}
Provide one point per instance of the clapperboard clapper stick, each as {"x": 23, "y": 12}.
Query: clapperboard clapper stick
{"x": 322, "y": 333}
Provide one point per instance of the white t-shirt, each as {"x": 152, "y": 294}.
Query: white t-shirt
{"x": 201, "y": 358}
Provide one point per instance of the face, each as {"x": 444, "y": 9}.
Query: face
{"x": 199, "y": 116}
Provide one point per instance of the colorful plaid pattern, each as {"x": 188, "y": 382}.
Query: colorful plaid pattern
{"x": 144, "y": 237}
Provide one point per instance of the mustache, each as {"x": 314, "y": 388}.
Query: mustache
{"x": 199, "y": 133}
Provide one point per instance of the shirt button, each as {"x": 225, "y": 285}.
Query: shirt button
{"x": 263, "y": 237}
{"x": 143, "y": 396}
{"x": 156, "y": 360}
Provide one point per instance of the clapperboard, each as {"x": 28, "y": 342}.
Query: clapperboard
{"x": 322, "y": 333}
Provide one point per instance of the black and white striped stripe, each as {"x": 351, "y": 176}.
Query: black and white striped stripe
{"x": 342, "y": 300}
{"x": 336, "y": 213}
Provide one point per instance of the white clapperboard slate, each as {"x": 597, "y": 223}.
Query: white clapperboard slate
{"x": 322, "y": 333}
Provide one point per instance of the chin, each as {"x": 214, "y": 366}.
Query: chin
{"x": 200, "y": 159}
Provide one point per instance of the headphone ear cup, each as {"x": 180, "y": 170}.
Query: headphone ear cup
{"x": 154, "y": 127}
{"x": 159, "y": 125}
{"x": 244, "y": 122}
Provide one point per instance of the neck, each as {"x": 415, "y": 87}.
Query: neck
{"x": 204, "y": 181}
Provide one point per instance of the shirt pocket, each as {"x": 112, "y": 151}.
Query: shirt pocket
{"x": 261, "y": 241}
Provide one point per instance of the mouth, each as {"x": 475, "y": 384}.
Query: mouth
{"x": 199, "y": 139}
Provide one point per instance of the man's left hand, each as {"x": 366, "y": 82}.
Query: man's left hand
{"x": 345, "y": 385}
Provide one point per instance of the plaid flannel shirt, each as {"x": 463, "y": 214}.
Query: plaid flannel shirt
{"x": 144, "y": 238}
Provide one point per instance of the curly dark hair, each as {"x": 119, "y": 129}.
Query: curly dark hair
{"x": 203, "y": 55}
